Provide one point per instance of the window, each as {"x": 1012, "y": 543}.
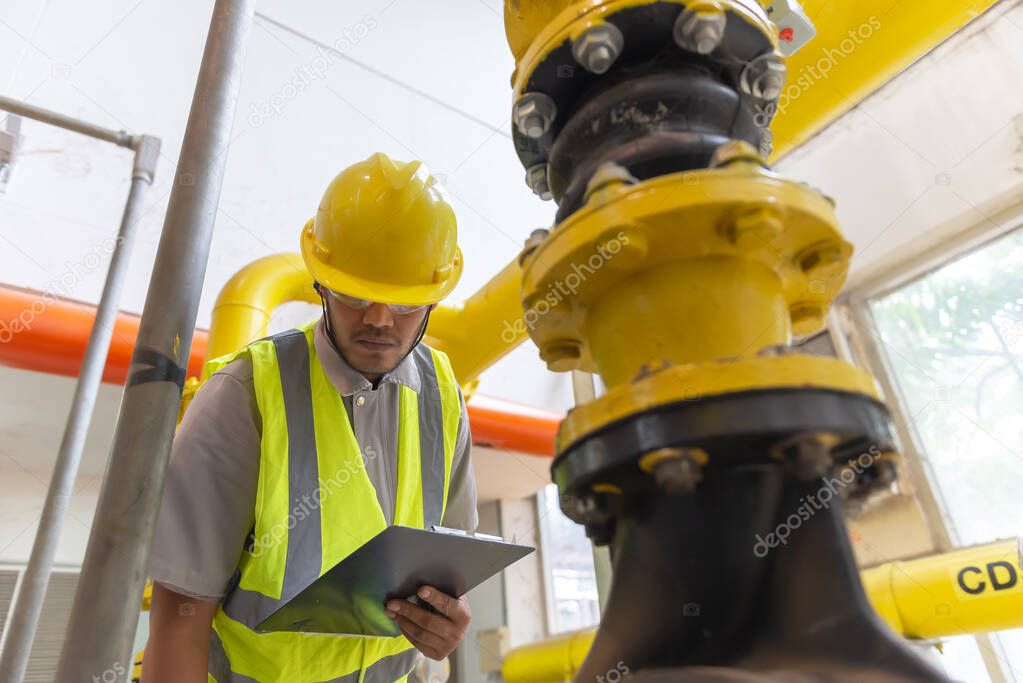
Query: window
{"x": 569, "y": 576}
{"x": 953, "y": 341}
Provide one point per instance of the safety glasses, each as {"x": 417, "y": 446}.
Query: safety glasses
{"x": 363, "y": 304}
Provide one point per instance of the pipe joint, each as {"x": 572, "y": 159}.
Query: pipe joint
{"x": 147, "y": 152}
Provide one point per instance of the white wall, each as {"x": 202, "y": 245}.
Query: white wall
{"x": 133, "y": 65}
{"x": 34, "y": 407}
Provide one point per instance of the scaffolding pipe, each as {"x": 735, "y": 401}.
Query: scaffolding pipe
{"x": 28, "y": 603}
{"x": 105, "y": 613}
{"x": 30, "y": 111}
{"x": 32, "y": 588}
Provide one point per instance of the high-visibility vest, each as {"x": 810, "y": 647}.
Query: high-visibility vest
{"x": 315, "y": 505}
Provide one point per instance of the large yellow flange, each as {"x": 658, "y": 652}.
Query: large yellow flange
{"x": 534, "y": 28}
{"x": 683, "y": 268}
{"x": 669, "y": 384}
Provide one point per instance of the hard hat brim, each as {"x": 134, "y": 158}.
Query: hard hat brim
{"x": 385, "y": 293}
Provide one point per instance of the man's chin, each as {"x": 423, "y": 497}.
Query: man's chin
{"x": 372, "y": 363}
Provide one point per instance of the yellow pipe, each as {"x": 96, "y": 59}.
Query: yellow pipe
{"x": 887, "y": 39}
{"x": 700, "y": 294}
{"x": 244, "y": 306}
{"x": 474, "y": 333}
{"x": 549, "y": 661}
{"x": 966, "y": 591}
{"x": 859, "y": 47}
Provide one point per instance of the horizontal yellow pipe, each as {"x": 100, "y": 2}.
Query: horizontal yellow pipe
{"x": 475, "y": 333}
{"x": 859, "y": 47}
{"x": 966, "y": 591}
{"x": 548, "y": 661}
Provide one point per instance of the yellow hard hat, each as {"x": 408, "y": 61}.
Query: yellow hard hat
{"x": 386, "y": 232}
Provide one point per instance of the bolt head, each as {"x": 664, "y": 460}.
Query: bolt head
{"x": 764, "y": 77}
{"x": 824, "y": 260}
{"x": 678, "y": 475}
{"x": 562, "y": 355}
{"x": 607, "y": 174}
{"x": 735, "y": 150}
{"x": 534, "y": 126}
{"x": 699, "y": 30}
{"x": 533, "y": 114}
{"x": 536, "y": 180}
{"x": 599, "y": 59}
{"x": 597, "y": 48}
{"x": 534, "y": 240}
{"x": 769, "y": 85}
{"x": 808, "y": 456}
{"x": 756, "y": 227}
{"x": 807, "y": 317}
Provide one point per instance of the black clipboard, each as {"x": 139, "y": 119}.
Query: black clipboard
{"x": 349, "y": 598}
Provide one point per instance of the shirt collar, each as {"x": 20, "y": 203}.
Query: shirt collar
{"x": 347, "y": 380}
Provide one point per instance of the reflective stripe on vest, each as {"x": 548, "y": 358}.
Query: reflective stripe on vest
{"x": 387, "y": 670}
{"x": 308, "y": 453}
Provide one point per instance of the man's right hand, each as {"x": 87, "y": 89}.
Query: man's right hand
{"x": 179, "y": 638}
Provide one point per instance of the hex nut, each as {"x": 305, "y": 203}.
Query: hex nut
{"x": 533, "y": 114}
{"x": 699, "y": 30}
{"x": 536, "y": 180}
{"x": 598, "y": 47}
{"x": 764, "y": 76}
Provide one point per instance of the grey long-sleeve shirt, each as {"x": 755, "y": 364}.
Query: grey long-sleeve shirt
{"x": 209, "y": 497}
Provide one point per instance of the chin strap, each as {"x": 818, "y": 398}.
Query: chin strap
{"x": 330, "y": 327}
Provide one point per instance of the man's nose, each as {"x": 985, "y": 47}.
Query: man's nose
{"x": 378, "y": 315}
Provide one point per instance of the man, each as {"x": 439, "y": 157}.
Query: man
{"x": 303, "y": 446}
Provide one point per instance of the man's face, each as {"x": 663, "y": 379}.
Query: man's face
{"x": 373, "y": 340}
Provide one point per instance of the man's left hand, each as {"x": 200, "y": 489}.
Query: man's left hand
{"x": 435, "y": 634}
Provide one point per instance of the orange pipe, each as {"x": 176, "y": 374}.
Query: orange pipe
{"x": 43, "y": 333}
{"x": 40, "y": 332}
{"x": 512, "y": 426}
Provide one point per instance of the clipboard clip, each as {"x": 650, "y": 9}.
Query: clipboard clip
{"x": 462, "y": 532}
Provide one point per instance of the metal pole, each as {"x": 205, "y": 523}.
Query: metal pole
{"x": 32, "y": 587}
{"x": 106, "y": 608}
{"x": 584, "y": 390}
{"x": 30, "y": 111}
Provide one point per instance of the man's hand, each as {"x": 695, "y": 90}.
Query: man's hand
{"x": 436, "y": 635}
